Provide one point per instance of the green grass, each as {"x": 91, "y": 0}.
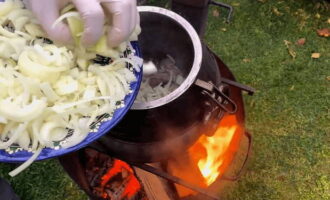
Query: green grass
{"x": 289, "y": 115}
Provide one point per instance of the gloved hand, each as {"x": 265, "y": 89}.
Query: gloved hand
{"x": 123, "y": 14}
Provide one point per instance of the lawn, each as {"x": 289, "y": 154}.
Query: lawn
{"x": 289, "y": 116}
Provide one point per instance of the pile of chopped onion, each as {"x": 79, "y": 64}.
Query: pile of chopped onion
{"x": 51, "y": 94}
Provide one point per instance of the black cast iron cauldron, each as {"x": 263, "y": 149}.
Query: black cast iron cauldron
{"x": 155, "y": 130}
{"x": 75, "y": 163}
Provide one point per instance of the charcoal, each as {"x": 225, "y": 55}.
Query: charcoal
{"x": 97, "y": 165}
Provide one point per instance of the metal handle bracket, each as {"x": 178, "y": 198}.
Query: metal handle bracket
{"x": 217, "y": 95}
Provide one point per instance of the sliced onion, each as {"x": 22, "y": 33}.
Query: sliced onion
{"x": 6, "y": 7}
{"x": 61, "y": 108}
{"x": 17, "y": 133}
{"x": 22, "y": 114}
{"x": 26, "y": 164}
{"x": 64, "y": 16}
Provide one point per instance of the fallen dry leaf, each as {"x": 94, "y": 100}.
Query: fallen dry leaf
{"x": 246, "y": 60}
{"x": 223, "y": 29}
{"x": 316, "y": 55}
{"x": 277, "y": 12}
{"x": 281, "y": 178}
{"x": 301, "y": 41}
{"x": 328, "y": 21}
{"x": 215, "y": 13}
{"x": 292, "y": 88}
{"x": 328, "y": 78}
{"x": 292, "y": 53}
{"x": 303, "y": 16}
{"x": 317, "y": 16}
{"x": 325, "y": 32}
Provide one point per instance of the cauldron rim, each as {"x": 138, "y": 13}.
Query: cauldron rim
{"x": 196, "y": 65}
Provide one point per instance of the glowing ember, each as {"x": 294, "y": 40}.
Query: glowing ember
{"x": 131, "y": 185}
{"x": 117, "y": 168}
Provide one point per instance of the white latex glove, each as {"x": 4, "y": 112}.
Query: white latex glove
{"x": 123, "y": 14}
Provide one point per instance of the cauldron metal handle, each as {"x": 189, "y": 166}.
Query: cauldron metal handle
{"x": 248, "y": 153}
{"x": 217, "y": 96}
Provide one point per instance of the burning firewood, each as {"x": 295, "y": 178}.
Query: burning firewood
{"x": 111, "y": 179}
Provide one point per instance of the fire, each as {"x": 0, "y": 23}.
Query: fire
{"x": 215, "y": 147}
{"x": 131, "y": 184}
{"x": 209, "y": 157}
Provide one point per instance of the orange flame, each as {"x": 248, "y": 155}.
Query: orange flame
{"x": 210, "y": 156}
{"x": 215, "y": 147}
